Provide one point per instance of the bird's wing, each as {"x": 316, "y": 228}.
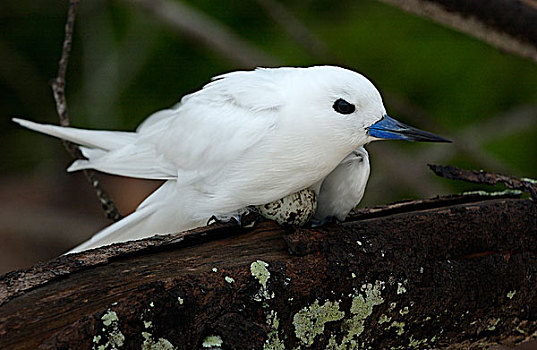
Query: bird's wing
{"x": 205, "y": 138}
{"x": 194, "y": 143}
{"x": 189, "y": 143}
{"x": 199, "y": 136}
{"x": 215, "y": 126}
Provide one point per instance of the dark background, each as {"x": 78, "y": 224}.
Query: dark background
{"x": 128, "y": 62}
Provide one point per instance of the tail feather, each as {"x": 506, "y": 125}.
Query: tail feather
{"x": 155, "y": 215}
{"x": 112, "y": 152}
{"x": 106, "y": 140}
{"x": 127, "y": 229}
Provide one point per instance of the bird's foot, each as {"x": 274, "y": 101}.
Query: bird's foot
{"x": 224, "y": 219}
{"x": 245, "y": 218}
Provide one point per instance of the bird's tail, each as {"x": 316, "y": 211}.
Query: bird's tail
{"x": 100, "y": 139}
{"x": 127, "y": 229}
{"x": 157, "y": 214}
{"x": 112, "y": 152}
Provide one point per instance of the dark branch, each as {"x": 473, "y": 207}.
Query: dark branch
{"x": 438, "y": 273}
{"x": 510, "y": 25}
{"x": 58, "y": 89}
{"x": 485, "y": 178}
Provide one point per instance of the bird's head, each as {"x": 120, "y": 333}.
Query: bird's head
{"x": 324, "y": 101}
{"x": 348, "y": 104}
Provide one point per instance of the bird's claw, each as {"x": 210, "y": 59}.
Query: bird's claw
{"x": 246, "y": 218}
{"x": 224, "y": 219}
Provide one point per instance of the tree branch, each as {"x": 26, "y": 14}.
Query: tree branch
{"x": 485, "y": 178}
{"x": 506, "y": 24}
{"x": 456, "y": 272}
{"x": 58, "y": 89}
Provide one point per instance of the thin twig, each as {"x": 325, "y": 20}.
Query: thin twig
{"x": 485, "y": 178}
{"x": 58, "y": 89}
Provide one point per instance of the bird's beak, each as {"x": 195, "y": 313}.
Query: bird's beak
{"x": 390, "y": 129}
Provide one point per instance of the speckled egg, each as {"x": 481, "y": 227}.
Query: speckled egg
{"x": 295, "y": 209}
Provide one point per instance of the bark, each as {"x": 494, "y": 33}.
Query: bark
{"x": 455, "y": 272}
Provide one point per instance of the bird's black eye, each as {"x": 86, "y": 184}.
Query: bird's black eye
{"x": 343, "y": 107}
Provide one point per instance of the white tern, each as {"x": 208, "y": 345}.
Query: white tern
{"x": 246, "y": 138}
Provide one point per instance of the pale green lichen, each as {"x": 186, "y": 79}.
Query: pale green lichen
{"x": 404, "y": 311}
{"x": 373, "y": 292}
{"x": 399, "y": 326}
{"x": 109, "y": 317}
{"x": 112, "y": 335}
{"x": 273, "y": 341}
{"x": 259, "y": 270}
{"x": 353, "y": 275}
{"x": 511, "y": 294}
{"x": 152, "y": 344}
{"x": 215, "y": 269}
{"x": 383, "y": 319}
{"x": 492, "y": 327}
{"x": 495, "y": 193}
{"x": 392, "y": 306}
{"x": 212, "y": 341}
{"x": 180, "y": 300}
{"x": 400, "y": 288}
{"x": 160, "y": 344}
{"x": 361, "y": 308}
{"x": 533, "y": 181}
{"x": 333, "y": 345}
{"x": 229, "y": 279}
{"x": 520, "y": 330}
{"x": 415, "y": 343}
{"x": 309, "y": 322}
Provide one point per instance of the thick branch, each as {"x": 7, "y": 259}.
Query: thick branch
{"x": 449, "y": 273}
{"x": 509, "y": 25}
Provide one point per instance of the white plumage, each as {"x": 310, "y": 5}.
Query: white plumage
{"x": 344, "y": 187}
{"x": 246, "y": 138}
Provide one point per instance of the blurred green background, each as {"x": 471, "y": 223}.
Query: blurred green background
{"x": 128, "y": 61}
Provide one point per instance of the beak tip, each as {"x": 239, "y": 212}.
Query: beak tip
{"x": 388, "y": 128}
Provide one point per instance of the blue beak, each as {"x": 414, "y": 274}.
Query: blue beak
{"x": 390, "y": 129}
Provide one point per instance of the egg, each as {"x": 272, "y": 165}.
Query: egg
{"x": 293, "y": 210}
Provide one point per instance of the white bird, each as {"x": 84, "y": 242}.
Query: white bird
{"x": 344, "y": 187}
{"x": 246, "y": 138}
